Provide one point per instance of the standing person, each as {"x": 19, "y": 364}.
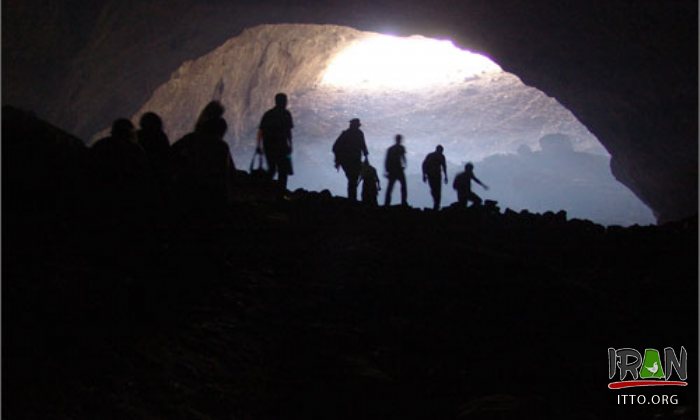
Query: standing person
{"x": 394, "y": 164}
{"x": 275, "y": 139}
{"x": 155, "y": 143}
{"x": 463, "y": 185}
{"x": 153, "y": 139}
{"x": 433, "y": 164}
{"x": 348, "y": 150}
{"x": 122, "y": 172}
{"x": 203, "y": 166}
{"x": 370, "y": 184}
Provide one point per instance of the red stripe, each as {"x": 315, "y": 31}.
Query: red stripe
{"x": 631, "y": 384}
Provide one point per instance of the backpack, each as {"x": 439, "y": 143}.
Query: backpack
{"x": 340, "y": 148}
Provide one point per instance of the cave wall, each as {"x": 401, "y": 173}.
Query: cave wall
{"x": 245, "y": 73}
{"x": 626, "y": 69}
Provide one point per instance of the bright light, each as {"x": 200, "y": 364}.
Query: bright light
{"x": 387, "y": 62}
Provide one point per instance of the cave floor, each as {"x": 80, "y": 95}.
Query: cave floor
{"x": 315, "y": 308}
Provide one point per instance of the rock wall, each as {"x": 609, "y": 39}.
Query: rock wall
{"x": 489, "y": 113}
{"x": 245, "y": 73}
{"x": 626, "y": 69}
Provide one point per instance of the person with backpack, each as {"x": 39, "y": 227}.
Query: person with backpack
{"x": 433, "y": 164}
{"x": 348, "y": 149}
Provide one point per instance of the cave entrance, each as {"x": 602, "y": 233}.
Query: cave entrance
{"x": 531, "y": 150}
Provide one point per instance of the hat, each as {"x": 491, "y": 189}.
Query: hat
{"x": 355, "y": 121}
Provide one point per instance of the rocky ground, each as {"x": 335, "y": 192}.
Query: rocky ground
{"x": 316, "y": 308}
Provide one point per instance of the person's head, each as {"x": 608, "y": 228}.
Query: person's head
{"x": 213, "y": 110}
{"x": 398, "y": 138}
{"x": 123, "y": 129}
{"x": 439, "y": 148}
{"x": 215, "y": 128}
{"x": 469, "y": 167}
{"x": 150, "y": 121}
{"x": 281, "y": 100}
{"x": 355, "y": 123}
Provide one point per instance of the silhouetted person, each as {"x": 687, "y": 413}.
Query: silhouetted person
{"x": 211, "y": 111}
{"x": 156, "y": 145}
{"x": 122, "y": 174}
{"x": 370, "y": 184}
{"x": 205, "y": 169}
{"x": 394, "y": 164}
{"x": 275, "y": 139}
{"x": 119, "y": 158}
{"x": 463, "y": 185}
{"x": 152, "y": 138}
{"x": 433, "y": 164}
{"x": 348, "y": 150}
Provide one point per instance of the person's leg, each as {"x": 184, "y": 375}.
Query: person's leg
{"x": 475, "y": 198}
{"x": 404, "y": 189}
{"x": 271, "y": 164}
{"x": 462, "y": 198}
{"x": 282, "y": 179}
{"x": 352, "y": 185}
{"x": 435, "y": 191}
{"x": 438, "y": 193}
{"x": 389, "y": 187}
{"x": 352, "y": 174}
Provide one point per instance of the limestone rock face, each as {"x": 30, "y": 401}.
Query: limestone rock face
{"x": 493, "y": 112}
{"x": 245, "y": 73}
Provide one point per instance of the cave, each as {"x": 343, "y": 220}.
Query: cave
{"x": 461, "y": 100}
{"x": 608, "y": 64}
{"x": 123, "y": 298}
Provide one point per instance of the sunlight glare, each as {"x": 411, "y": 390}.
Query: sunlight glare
{"x": 388, "y": 62}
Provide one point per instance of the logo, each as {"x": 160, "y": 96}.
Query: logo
{"x": 649, "y": 370}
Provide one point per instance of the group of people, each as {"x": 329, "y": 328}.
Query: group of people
{"x": 199, "y": 170}
{"x": 351, "y": 154}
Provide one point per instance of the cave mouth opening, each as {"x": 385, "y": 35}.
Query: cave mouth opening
{"x": 385, "y": 62}
{"x": 531, "y": 150}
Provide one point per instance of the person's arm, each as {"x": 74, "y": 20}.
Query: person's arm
{"x": 364, "y": 145}
{"x": 479, "y": 182}
{"x": 443, "y": 163}
{"x": 289, "y": 136}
